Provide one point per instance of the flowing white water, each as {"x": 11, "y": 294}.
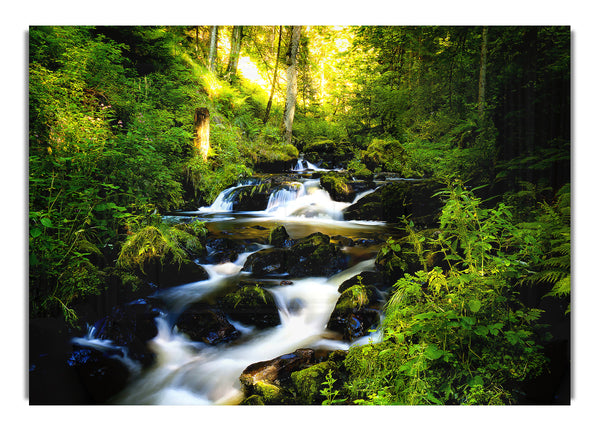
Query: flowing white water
{"x": 188, "y": 372}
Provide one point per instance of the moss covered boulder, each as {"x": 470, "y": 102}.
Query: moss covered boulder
{"x": 392, "y": 201}
{"x": 315, "y": 255}
{"x": 279, "y": 237}
{"x": 271, "y": 261}
{"x": 270, "y": 381}
{"x": 328, "y": 153}
{"x": 201, "y": 322}
{"x": 251, "y": 305}
{"x": 356, "y": 310}
{"x": 338, "y": 187}
{"x": 309, "y": 382}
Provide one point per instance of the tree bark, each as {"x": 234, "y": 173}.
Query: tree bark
{"x": 268, "y": 111}
{"x": 236, "y": 45}
{"x": 482, "y": 71}
{"x": 212, "y": 56}
{"x": 202, "y": 128}
{"x": 292, "y": 84}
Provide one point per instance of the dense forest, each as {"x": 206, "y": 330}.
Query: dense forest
{"x": 131, "y": 128}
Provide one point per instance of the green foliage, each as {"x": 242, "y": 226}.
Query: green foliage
{"x": 459, "y": 336}
{"x": 386, "y": 154}
{"x": 162, "y": 243}
{"x": 328, "y": 391}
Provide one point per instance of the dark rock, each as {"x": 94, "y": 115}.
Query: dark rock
{"x": 271, "y": 379}
{"x": 200, "y": 322}
{"x": 132, "y": 326}
{"x": 367, "y": 278}
{"x": 102, "y": 373}
{"x": 252, "y": 305}
{"x": 279, "y": 237}
{"x": 173, "y": 274}
{"x": 356, "y": 309}
{"x": 393, "y": 201}
{"x": 222, "y": 250}
{"x": 272, "y": 261}
{"x": 314, "y": 255}
{"x": 343, "y": 240}
{"x": 51, "y": 380}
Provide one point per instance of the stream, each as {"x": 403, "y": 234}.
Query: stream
{"x": 187, "y": 372}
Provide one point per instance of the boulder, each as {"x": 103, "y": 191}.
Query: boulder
{"x": 173, "y": 274}
{"x": 222, "y": 250}
{"x": 102, "y": 373}
{"x": 315, "y": 256}
{"x": 131, "y": 325}
{"x": 251, "y": 305}
{"x": 271, "y": 261}
{"x": 200, "y": 322}
{"x": 338, "y": 187}
{"x": 356, "y": 310}
{"x": 272, "y": 379}
{"x": 393, "y": 201}
{"x": 279, "y": 237}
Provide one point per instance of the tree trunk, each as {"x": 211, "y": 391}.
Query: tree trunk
{"x": 202, "y": 128}
{"x": 268, "y": 111}
{"x": 482, "y": 70}
{"x": 292, "y": 84}
{"x": 236, "y": 45}
{"x": 212, "y": 56}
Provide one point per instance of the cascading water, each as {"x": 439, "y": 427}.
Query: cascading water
{"x": 191, "y": 372}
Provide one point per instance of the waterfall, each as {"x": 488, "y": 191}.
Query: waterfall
{"x": 304, "y": 165}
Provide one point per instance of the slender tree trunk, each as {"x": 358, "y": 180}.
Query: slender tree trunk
{"x": 268, "y": 111}
{"x": 202, "y": 128}
{"x": 236, "y": 45}
{"x": 482, "y": 71}
{"x": 292, "y": 84}
{"x": 212, "y": 56}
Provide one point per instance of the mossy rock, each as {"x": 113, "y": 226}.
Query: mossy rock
{"x": 355, "y": 312}
{"x": 394, "y": 264}
{"x": 385, "y": 154}
{"x": 272, "y": 261}
{"x": 253, "y": 400}
{"x": 338, "y": 187}
{"x": 252, "y": 305}
{"x": 391, "y": 202}
{"x": 279, "y": 237}
{"x": 309, "y": 382}
{"x": 201, "y": 322}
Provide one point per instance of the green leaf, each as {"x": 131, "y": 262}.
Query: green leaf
{"x": 432, "y": 352}
{"x": 482, "y": 330}
{"x": 476, "y": 381}
{"x": 474, "y": 305}
{"x": 35, "y": 232}
{"x": 47, "y": 222}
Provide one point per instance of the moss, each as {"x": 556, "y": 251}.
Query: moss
{"x": 308, "y": 382}
{"x": 279, "y": 237}
{"x": 253, "y": 400}
{"x": 269, "y": 393}
{"x": 337, "y": 186}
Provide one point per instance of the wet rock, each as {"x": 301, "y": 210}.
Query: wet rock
{"x": 314, "y": 255}
{"x": 102, "y": 373}
{"x": 132, "y": 326}
{"x": 51, "y": 380}
{"x": 393, "y": 201}
{"x": 338, "y": 187}
{"x": 279, "y": 237}
{"x": 367, "y": 278}
{"x": 272, "y": 261}
{"x": 201, "y": 322}
{"x": 251, "y": 305}
{"x": 271, "y": 379}
{"x": 343, "y": 240}
{"x": 173, "y": 274}
{"x": 222, "y": 250}
{"x": 356, "y": 310}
